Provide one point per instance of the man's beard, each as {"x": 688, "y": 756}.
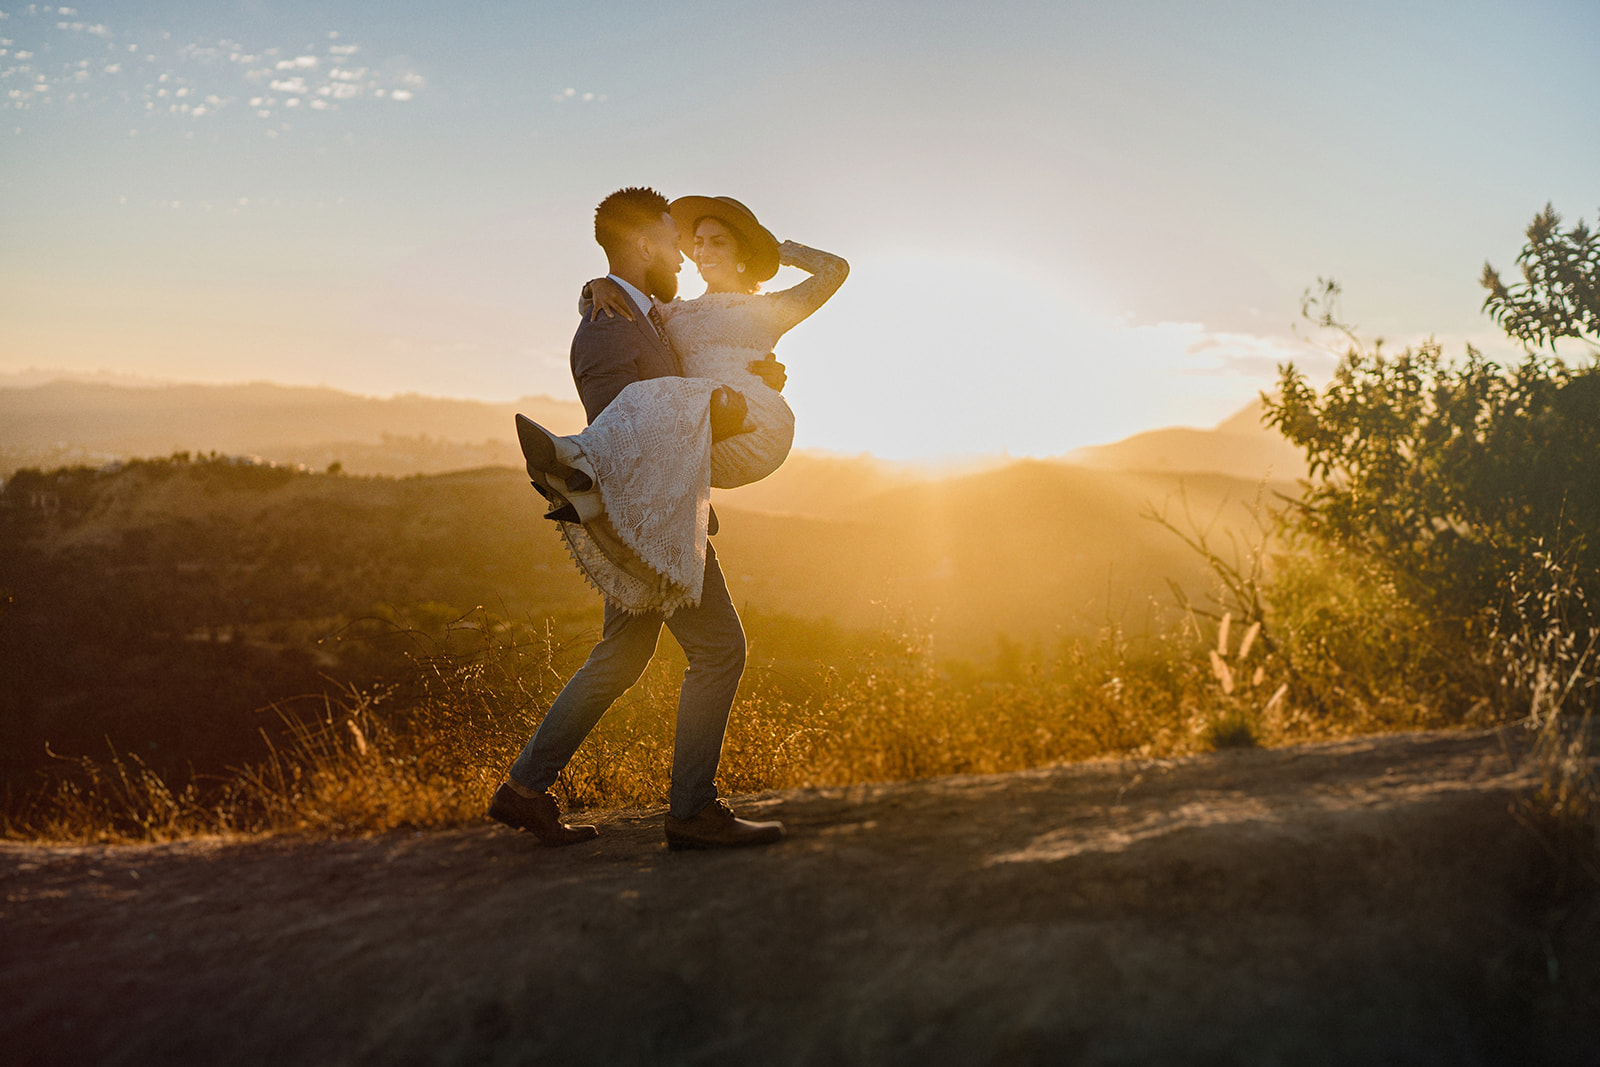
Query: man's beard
{"x": 661, "y": 282}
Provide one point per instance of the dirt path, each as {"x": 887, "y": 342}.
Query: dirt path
{"x": 1360, "y": 902}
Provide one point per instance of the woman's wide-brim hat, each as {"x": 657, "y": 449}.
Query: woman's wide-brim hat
{"x": 761, "y": 246}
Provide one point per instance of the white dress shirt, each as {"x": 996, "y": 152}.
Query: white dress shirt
{"x": 640, "y": 301}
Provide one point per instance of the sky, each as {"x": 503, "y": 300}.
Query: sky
{"x": 1067, "y": 221}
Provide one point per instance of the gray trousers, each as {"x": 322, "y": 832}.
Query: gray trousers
{"x": 712, "y": 639}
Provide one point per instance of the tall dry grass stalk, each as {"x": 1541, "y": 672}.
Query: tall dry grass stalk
{"x": 1551, "y": 670}
{"x": 118, "y": 798}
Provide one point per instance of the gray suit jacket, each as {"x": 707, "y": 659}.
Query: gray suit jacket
{"x": 612, "y": 353}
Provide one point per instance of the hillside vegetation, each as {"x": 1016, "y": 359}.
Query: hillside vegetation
{"x": 159, "y": 607}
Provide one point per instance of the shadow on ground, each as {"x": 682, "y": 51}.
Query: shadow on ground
{"x": 1368, "y": 901}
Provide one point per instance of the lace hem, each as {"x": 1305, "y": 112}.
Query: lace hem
{"x": 618, "y": 583}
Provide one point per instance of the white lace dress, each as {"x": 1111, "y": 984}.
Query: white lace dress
{"x": 651, "y": 447}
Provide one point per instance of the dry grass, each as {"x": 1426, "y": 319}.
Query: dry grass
{"x": 428, "y": 749}
{"x": 1551, "y": 672}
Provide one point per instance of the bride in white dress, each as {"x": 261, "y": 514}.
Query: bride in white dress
{"x": 650, "y": 453}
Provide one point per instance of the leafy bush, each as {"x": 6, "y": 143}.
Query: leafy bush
{"x": 1559, "y": 295}
{"x": 1451, "y": 473}
{"x": 1449, "y": 477}
{"x": 1443, "y": 495}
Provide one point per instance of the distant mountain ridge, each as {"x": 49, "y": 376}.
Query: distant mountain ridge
{"x": 1239, "y": 446}
{"x": 65, "y": 422}
{"x": 91, "y": 422}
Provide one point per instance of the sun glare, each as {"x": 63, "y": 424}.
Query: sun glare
{"x": 922, "y": 356}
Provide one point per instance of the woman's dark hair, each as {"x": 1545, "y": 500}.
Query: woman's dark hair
{"x": 746, "y": 281}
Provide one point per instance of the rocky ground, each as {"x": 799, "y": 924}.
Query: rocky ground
{"x": 1361, "y": 902}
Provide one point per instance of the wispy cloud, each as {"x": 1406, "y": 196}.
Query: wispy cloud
{"x": 569, "y": 96}
{"x": 52, "y": 60}
{"x": 1221, "y": 354}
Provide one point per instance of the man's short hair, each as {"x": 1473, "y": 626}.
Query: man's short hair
{"x": 624, "y": 215}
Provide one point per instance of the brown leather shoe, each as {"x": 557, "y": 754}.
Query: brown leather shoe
{"x": 717, "y": 827}
{"x": 538, "y": 815}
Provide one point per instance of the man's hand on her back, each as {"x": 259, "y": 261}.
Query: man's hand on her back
{"x": 770, "y": 371}
{"x": 728, "y": 411}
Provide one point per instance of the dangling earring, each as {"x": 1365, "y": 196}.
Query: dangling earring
{"x": 740, "y": 268}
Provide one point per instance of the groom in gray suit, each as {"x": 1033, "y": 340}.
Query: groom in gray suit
{"x": 640, "y": 240}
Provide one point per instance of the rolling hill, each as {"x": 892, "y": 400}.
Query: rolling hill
{"x": 160, "y": 605}
{"x": 62, "y": 422}
{"x": 1239, "y": 446}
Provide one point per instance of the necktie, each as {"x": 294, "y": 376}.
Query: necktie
{"x": 660, "y": 325}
